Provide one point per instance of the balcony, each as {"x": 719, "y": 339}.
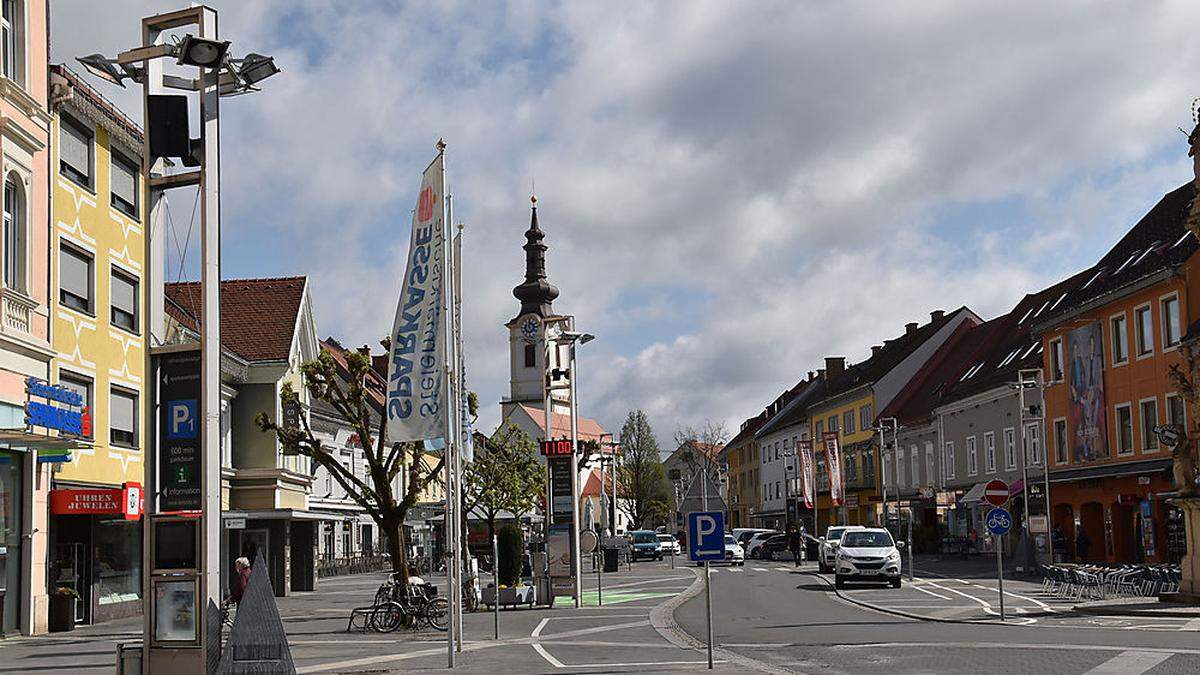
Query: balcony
{"x": 17, "y": 308}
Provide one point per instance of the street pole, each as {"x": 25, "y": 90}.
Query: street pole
{"x": 577, "y": 558}
{"x": 600, "y": 578}
{"x": 910, "y": 545}
{"x": 496, "y": 585}
{"x": 999, "y": 543}
{"x": 1026, "y": 531}
{"x": 707, "y": 576}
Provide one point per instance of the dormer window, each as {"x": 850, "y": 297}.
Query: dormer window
{"x": 1097, "y": 275}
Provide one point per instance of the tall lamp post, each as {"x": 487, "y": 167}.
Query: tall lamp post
{"x": 166, "y": 122}
{"x": 571, "y": 338}
{"x": 1028, "y": 380}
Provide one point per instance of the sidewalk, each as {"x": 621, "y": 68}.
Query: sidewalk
{"x": 971, "y": 566}
{"x": 1140, "y": 607}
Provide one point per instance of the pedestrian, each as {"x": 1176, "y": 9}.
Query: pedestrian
{"x": 1082, "y": 544}
{"x": 972, "y": 540}
{"x": 240, "y": 580}
{"x": 793, "y": 544}
{"x": 803, "y": 544}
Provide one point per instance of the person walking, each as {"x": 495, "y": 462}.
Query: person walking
{"x": 240, "y": 580}
{"x": 793, "y": 543}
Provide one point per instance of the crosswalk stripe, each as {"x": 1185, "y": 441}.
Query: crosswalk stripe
{"x": 1130, "y": 662}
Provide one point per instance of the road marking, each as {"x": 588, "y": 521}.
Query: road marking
{"x": 546, "y": 655}
{"x": 936, "y": 595}
{"x": 1017, "y": 645}
{"x": 1193, "y": 624}
{"x": 1132, "y": 662}
{"x": 1039, "y": 603}
{"x": 761, "y": 569}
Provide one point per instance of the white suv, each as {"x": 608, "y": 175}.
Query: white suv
{"x": 827, "y": 554}
{"x": 868, "y": 554}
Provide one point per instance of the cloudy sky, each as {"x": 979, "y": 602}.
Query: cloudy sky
{"x": 730, "y": 191}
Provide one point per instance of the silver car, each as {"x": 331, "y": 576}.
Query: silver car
{"x": 670, "y": 545}
{"x": 827, "y": 556}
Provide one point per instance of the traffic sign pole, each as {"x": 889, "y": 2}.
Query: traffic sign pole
{"x": 999, "y": 541}
{"x": 706, "y": 541}
{"x": 708, "y": 611}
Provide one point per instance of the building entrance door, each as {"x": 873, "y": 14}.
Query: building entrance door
{"x": 11, "y": 503}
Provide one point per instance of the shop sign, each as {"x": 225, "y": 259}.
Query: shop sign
{"x": 62, "y": 410}
{"x": 179, "y": 459}
{"x": 852, "y": 499}
{"x": 126, "y": 501}
{"x": 236, "y": 523}
{"x": 560, "y": 491}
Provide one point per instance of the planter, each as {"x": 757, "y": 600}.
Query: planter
{"x": 62, "y": 612}
{"x": 510, "y": 597}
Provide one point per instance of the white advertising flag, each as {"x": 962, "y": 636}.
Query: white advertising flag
{"x": 416, "y": 400}
{"x": 806, "y": 473}
{"x": 833, "y": 458}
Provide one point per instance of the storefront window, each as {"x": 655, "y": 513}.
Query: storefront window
{"x": 117, "y": 569}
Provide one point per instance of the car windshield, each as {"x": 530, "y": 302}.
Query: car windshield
{"x": 665, "y": 537}
{"x": 644, "y": 538}
{"x": 866, "y": 540}
{"x": 729, "y": 539}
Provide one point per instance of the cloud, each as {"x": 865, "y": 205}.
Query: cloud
{"x": 730, "y": 192}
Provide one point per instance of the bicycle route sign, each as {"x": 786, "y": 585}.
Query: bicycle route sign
{"x": 999, "y": 521}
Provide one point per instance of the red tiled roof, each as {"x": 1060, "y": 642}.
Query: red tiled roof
{"x": 560, "y": 425}
{"x": 258, "y": 316}
{"x": 375, "y": 381}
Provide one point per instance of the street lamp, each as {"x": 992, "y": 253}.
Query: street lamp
{"x": 200, "y": 490}
{"x": 1028, "y": 380}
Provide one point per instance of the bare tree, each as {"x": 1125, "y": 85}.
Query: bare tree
{"x": 700, "y": 448}
{"x": 345, "y": 390}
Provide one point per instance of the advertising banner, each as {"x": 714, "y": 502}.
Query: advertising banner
{"x": 833, "y": 458}
{"x": 416, "y": 399}
{"x": 1087, "y": 428}
{"x": 808, "y": 490}
{"x": 178, "y": 442}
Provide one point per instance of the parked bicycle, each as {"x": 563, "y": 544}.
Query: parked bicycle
{"x": 403, "y": 606}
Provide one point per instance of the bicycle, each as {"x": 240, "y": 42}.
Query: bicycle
{"x": 397, "y": 606}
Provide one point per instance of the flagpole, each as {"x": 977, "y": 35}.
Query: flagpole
{"x": 456, "y": 407}
{"x": 448, "y": 449}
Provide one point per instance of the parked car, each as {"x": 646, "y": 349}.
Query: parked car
{"x": 645, "y": 545}
{"x": 670, "y": 545}
{"x": 734, "y": 553}
{"x": 829, "y": 545}
{"x": 757, "y": 540}
{"x": 771, "y": 547}
{"x": 868, "y": 554}
{"x": 743, "y": 534}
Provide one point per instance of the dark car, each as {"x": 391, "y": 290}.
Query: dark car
{"x": 774, "y": 544}
{"x": 645, "y": 545}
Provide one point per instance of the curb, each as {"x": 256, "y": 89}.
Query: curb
{"x": 1140, "y": 613}
{"x": 662, "y": 619}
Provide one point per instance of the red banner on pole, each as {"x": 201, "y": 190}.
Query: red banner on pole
{"x": 804, "y": 449}
{"x": 833, "y": 458}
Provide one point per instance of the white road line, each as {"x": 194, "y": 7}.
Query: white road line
{"x": 1017, "y": 645}
{"x": 1039, "y": 603}
{"x": 546, "y": 655}
{"x": 760, "y": 569}
{"x": 1132, "y": 662}
{"x": 1193, "y": 624}
{"x": 936, "y": 595}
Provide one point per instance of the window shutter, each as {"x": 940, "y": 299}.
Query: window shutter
{"x": 121, "y": 416}
{"x": 75, "y": 148}
{"x": 123, "y": 294}
{"x": 124, "y": 180}
{"x": 75, "y": 273}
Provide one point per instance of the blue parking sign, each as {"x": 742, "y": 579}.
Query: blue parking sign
{"x": 706, "y": 535}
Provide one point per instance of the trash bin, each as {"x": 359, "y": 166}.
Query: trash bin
{"x": 611, "y": 559}
{"x": 62, "y": 612}
{"x": 129, "y": 658}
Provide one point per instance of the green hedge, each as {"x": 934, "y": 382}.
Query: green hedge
{"x": 510, "y": 555}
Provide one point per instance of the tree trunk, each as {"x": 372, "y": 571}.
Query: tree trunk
{"x": 394, "y": 530}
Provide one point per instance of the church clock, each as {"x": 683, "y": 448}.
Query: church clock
{"x": 529, "y": 329}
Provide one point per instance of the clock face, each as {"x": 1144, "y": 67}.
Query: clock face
{"x": 529, "y": 329}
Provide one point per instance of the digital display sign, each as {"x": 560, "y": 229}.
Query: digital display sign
{"x": 558, "y": 448}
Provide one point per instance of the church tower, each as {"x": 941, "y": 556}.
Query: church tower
{"x": 526, "y": 331}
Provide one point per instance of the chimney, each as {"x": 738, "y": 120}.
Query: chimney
{"x": 379, "y": 364}
{"x": 810, "y": 375}
{"x": 937, "y": 315}
{"x": 821, "y": 373}
{"x": 875, "y": 349}
{"x": 365, "y": 350}
{"x": 910, "y": 328}
{"x": 834, "y": 365}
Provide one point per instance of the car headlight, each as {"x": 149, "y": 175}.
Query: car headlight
{"x": 894, "y": 556}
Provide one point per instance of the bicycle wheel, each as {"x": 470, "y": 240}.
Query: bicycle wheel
{"x": 435, "y": 612}
{"x": 387, "y": 618}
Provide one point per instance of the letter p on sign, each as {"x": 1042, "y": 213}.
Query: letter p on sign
{"x": 181, "y": 418}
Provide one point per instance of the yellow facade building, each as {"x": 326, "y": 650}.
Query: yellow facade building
{"x": 98, "y": 336}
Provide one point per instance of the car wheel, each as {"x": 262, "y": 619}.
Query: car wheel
{"x": 742, "y": 564}
{"x": 896, "y": 582}
{"x": 822, "y": 568}
{"x": 839, "y": 582}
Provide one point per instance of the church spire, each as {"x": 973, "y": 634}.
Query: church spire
{"x": 536, "y": 294}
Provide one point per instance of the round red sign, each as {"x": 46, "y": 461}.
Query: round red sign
{"x": 996, "y": 492}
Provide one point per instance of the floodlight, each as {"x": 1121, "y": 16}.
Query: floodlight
{"x": 103, "y": 67}
{"x": 255, "y": 68}
{"x": 194, "y": 51}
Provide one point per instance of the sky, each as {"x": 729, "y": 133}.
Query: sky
{"x": 730, "y": 191}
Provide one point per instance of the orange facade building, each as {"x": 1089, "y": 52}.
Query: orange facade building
{"x": 1108, "y": 345}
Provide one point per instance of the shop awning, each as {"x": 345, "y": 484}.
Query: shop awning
{"x": 279, "y": 514}
{"x": 974, "y": 495}
{"x": 1141, "y": 467}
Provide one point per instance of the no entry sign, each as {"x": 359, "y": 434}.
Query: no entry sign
{"x": 996, "y": 492}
